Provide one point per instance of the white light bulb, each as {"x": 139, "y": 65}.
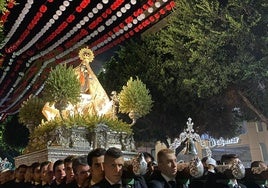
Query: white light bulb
{"x": 99, "y": 6}
{"x": 62, "y": 8}
{"x": 66, "y": 3}
{"x": 118, "y": 14}
{"x": 58, "y": 12}
{"x": 55, "y": 17}
{"x": 150, "y": 10}
{"x": 90, "y": 15}
{"x": 123, "y": 9}
{"x": 95, "y": 10}
{"x": 157, "y": 4}
{"x": 105, "y": 1}
{"x": 133, "y": 2}
{"x": 127, "y": 6}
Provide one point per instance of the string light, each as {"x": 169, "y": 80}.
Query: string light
{"x": 135, "y": 23}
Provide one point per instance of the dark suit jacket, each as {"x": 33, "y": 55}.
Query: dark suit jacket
{"x": 229, "y": 186}
{"x": 55, "y": 185}
{"x": 138, "y": 183}
{"x": 252, "y": 180}
{"x": 220, "y": 180}
{"x": 72, "y": 184}
{"x": 13, "y": 184}
{"x": 158, "y": 181}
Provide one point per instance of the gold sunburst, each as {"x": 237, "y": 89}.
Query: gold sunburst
{"x": 86, "y": 54}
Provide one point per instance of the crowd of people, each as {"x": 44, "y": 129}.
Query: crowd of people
{"x": 103, "y": 168}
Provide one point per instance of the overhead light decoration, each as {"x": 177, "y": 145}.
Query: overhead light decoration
{"x": 141, "y": 14}
{"x": 150, "y": 12}
{"x": 17, "y": 22}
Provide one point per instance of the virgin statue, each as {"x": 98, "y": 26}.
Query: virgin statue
{"x": 91, "y": 89}
{"x": 93, "y": 98}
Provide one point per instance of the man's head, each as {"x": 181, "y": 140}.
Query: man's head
{"x": 228, "y": 159}
{"x": 260, "y": 164}
{"x": 211, "y": 163}
{"x": 81, "y": 169}
{"x": 28, "y": 177}
{"x": 167, "y": 163}
{"x": 113, "y": 164}
{"x": 150, "y": 161}
{"x": 236, "y": 169}
{"x": 43, "y": 169}
{"x": 20, "y": 173}
{"x": 6, "y": 175}
{"x": 68, "y": 165}
{"x": 59, "y": 171}
{"x": 95, "y": 160}
{"x": 36, "y": 172}
{"x": 49, "y": 176}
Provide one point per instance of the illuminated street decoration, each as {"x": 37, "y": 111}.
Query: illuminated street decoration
{"x": 54, "y": 33}
{"x": 188, "y": 138}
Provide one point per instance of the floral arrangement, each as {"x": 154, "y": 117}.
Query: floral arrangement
{"x": 62, "y": 87}
{"x": 135, "y": 99}
{"x": 30, "y": 112}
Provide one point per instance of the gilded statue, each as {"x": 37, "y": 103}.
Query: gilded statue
{"x": 93, "y": 98}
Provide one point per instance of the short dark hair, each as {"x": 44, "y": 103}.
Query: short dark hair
{"x": 148, "y": 155}
{"x": 95, "y": 153}
{"x": 45, "y": 163}
{"x": 69, "y": 159}
{"x": 114, "y": 153}
{"x": 35, "y": 165}
{"x": 79, "y": 161}
{"x": 227, "y": 158}
{"x": 256, "y": 163}
{"x": 204, "y": 159}
{"x": 22, "y": 166}
{"x": 57, "y": 163}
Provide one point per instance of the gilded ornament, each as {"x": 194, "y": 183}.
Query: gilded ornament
{"x": 86, "y": 54}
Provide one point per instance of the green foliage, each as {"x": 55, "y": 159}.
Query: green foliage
{"x": 135, "y": 97}
{"x": 3, "y": 5}
{"x": 197, "y": 64}
{"x": 11, "y": 144}
{"x": 30, "y": 112}
{"x": 86, "y": 120}
{"x": 10, "y": 136}
{"x": 62, "y": 87}
{"x": 2, "y": 143}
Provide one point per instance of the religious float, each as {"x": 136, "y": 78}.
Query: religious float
{"x": 77, "y": 115}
